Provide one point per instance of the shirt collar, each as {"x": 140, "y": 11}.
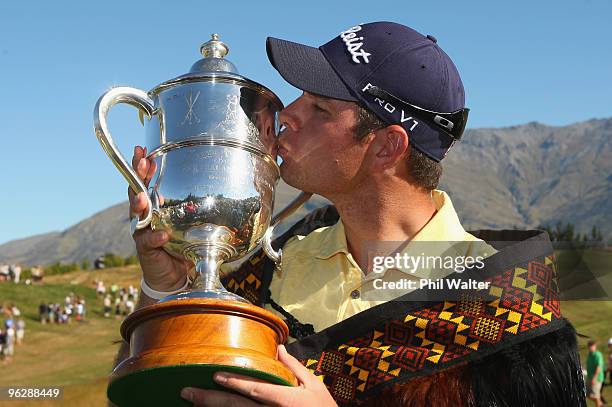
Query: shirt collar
{"x": 333, "y": 242}
{"x": 443, "y": 226}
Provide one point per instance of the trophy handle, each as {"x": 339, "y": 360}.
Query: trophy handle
{"x": 142, "y": 101}
{"x": 266, "y": 241}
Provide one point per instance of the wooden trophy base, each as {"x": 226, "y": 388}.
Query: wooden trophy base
{"x": 182, "y": 343}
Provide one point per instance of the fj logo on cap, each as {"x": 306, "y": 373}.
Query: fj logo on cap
{"x": 354, "y": 43}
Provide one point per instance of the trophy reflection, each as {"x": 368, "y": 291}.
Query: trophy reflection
{"x": 212, "y": 136}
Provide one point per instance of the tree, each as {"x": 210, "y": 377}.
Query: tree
{"x": 131, "y": 260}
{"x": 566, "y": 233}
{"x": 112, "y": 260}
{"x": 596, "y": 234}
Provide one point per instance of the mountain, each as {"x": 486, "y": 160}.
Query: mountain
{"x": 532, "y": 175}
{"x": 107, "y": 231}
{"x": 519, "y": 176}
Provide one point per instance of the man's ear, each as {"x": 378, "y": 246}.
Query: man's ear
{"x": 390, "y": 146}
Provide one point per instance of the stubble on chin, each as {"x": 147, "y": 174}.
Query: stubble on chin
{"x": 296, "y": 178}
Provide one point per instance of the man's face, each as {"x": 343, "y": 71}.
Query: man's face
{"x": 318, "y": 147}
{"x": 593, "y": 347}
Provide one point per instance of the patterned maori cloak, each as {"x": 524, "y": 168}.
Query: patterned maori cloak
{"x": 504, "y": 346}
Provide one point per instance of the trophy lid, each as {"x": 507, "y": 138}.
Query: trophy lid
{"x": 213, "y": 52}
{"x": 215, "y": 67}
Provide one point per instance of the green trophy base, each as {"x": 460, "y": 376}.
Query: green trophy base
{"x": 162, "y": 386}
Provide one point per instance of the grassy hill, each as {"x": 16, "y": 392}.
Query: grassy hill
{"x": 76, "y": 356}
{"x": 79, "y": 356}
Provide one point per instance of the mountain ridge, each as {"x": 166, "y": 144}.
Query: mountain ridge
{"x": 515, "y": 176}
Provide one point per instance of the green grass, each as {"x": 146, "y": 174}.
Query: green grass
{"x": 75, "y": 356}
{"x": 79, "y": 356}
{"x": 592, "y": 319}
{"x": 28, "y": 298}
{"x": 586, "y": 277}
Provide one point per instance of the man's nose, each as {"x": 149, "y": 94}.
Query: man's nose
{"x": 288, "y": 119}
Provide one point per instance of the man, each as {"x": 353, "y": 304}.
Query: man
{"x": 609, "y": 369}
{"x": 9, "y": 328}
{"x": 381, "y": 107}
{"x": 595, "y": 373}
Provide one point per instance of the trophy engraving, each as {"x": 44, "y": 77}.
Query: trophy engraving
{"x": 191, "y": 115}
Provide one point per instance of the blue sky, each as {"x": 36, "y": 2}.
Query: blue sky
{"x": 546, "y": 61}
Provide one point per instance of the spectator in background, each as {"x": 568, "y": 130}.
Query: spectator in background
{"x": 107, "y": 305}
{"x": 100, "y": 288}
{"x": 15, "y": 272}
{"x": 59, "y": 314}
{"x": 68, "y": 308}
{"x": 43, "y": 313}
{"x": 2, "y": 341}
{"x": 79, "y": 308}
{"x": 15, "y": 312}
{"x": 37, "y": 274}
{"x": 20, "y": 330}
{"x": 9, "y": 328}
{"x": 610, "y": 359}
{"x": 99, "y": 263}
{"x": 129, "y": 305}
{"x": 595, "y": 373}
{"x": 51, "y": 313}
{"x": 117, "y": 308}
{"x": 4, "y": 272}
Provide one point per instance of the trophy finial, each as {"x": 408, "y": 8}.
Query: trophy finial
{"x": 214, "y": 48}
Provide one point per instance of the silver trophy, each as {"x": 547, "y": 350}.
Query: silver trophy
{"x": 212, "y": 135}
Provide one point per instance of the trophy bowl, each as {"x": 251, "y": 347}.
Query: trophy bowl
{"x": 211, "y": 135}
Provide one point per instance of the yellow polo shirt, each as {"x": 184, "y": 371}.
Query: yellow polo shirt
{"x": 321, "y": 284}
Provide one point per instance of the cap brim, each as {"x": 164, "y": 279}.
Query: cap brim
{"x": 307, "y": 69}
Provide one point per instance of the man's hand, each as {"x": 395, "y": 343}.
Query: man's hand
{"x": 311, "y": 391}
{"x": 161, "y": 271}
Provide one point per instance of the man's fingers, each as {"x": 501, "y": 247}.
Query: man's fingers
{"x": 143, "y": 168}
{"x": 187, "y": 264}
{"x": 155, "y": 240}
{"x": 146, "y": 239}
{"x": 151, "y": 172}
{"x": 267, "y": 393}
{"x": 138, "y": 154}
{"x": 303, "y": 375}
{"x": 138, "y": 204}
{"x": 213, "y": 398}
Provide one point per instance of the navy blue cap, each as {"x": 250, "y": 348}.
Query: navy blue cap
{"x": 401, "y": 75}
